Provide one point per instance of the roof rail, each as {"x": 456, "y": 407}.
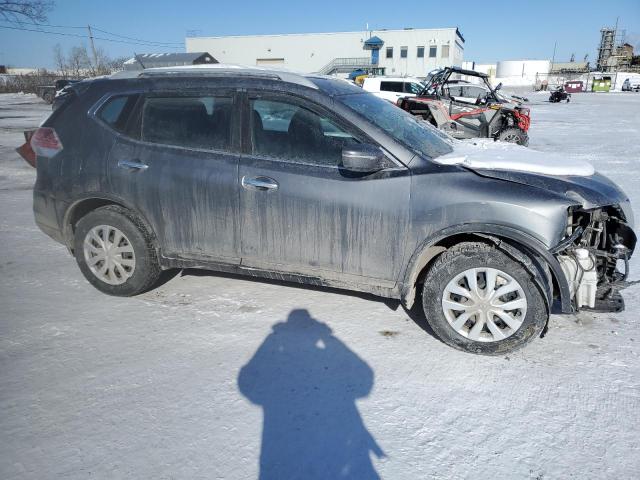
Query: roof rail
{"x": 228, "y": 70}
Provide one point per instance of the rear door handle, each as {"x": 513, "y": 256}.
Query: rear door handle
{"x": 132, "y": 165}
{"x": 261, "y": 184}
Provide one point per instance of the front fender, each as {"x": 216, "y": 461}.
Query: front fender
{"x": 534, "y": 248}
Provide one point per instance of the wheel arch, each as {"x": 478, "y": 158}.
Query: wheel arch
{"x": 85, "y": 205}
{"x": 510, "y": 240}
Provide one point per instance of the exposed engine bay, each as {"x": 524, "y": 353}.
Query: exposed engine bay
{"x": 594, "y": 257}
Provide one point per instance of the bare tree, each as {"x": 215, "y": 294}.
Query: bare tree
{"x": 116, "y": 64}
{"x": 60, "y": 61}
{"x": 34, "y": 11}
{"x": 78, "y": 63}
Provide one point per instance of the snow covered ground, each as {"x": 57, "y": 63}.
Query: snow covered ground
{"x": 93, "y": 386}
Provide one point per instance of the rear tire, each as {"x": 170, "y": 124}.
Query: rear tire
{"x": 483, "y": 271}
{"x": 514, "y": 135}
{"x": 115, "y": 252}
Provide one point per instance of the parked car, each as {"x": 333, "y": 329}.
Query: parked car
{"x": 488, "y": 115}
{"x": 631, "y": 86}
{"x": 308, "y": 178}
{"x": 392, "y": 88}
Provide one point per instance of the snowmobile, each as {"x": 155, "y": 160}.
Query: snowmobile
{"x": 558, "y": 95}
{"x": 489, "y": 115}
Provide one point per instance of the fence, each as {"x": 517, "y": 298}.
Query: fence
{"x": 27, "y": 83}
{"x": 558, "y": 79}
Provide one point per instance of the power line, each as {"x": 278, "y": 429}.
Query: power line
{"x": 136, "y": 39}
{"x": 43, "y": 31}
{"x": 29, "y": 24}
{"x": 66, "y": 34}
{"x": 19, "y": 22}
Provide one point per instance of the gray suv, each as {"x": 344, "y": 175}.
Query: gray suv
{"x": 313, "y": 180}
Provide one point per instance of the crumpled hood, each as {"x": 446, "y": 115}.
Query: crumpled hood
{"x": 558, "y": 174}
{"x": 590, "y": 192}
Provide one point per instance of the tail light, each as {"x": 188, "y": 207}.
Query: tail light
{"x": 42, "y": 142}
{"x": 45, "y": 142}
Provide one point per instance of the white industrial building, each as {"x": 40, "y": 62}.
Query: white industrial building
{"x": 513, "y": 72}
{"x": 412, "y": 52}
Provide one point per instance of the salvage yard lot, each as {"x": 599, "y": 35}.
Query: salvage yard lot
{"x": 151, "y": 386}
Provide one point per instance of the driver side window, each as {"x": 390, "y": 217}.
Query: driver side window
{"x": 284, "y": 130}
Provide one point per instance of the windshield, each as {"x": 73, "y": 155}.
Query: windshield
{"x": 413, "y": 87}
{"x": 415, "y": 134}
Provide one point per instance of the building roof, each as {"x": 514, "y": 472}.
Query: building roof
{"x": 380, "y": 30}
{"x": 374, "y": 42}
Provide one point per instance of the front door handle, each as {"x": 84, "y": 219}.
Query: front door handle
{"x": 261, "y": 184}
{"x": 132, "y": 165}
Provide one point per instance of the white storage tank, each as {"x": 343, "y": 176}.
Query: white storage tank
{"x": 522, "y": 68}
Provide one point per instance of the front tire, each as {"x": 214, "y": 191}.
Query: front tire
{"x": 514, "y": 135}
{"x": 115, "y": 252}
{"x": 478, "y": 299}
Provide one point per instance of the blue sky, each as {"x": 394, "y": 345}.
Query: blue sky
{"x": 494, "y": 30}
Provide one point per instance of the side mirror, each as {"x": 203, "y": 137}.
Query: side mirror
{"x": 498, "y": 87}
{"x": 363, "y": 157}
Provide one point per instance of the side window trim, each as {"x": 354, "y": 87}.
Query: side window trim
{"x": 133, "y": 127}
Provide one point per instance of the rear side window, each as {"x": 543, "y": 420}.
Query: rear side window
{"x": 391, "y": 86}
{"x": 115, "y": 112}
{"x": 192, "y": 122}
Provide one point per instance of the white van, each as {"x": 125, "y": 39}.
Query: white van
{"x": 392, "y": 88}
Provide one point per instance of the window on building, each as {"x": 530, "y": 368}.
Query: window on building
{"x": 192, "y": 122}
{"x": 403, "y": 52}
{"x": 444, "y": 52}
{"x": 420, "y": 52}
{"x": 290, "y": 132}
{"x": 433, "y": 51}
{"x": 389, "y": 52}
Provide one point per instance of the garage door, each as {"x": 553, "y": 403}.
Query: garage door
{"x": 269, "y": 61}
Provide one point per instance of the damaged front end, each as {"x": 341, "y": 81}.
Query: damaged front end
{"x": 594, "y": 257}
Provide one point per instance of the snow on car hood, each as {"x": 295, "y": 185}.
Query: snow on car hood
{"x": 487, "y": 154}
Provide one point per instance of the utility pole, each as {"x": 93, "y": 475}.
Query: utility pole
{"x": 93, "y": 47}
{"x": 553, "y": 59}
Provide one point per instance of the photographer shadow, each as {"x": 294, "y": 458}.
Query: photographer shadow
{"x": 307, "y": 381}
